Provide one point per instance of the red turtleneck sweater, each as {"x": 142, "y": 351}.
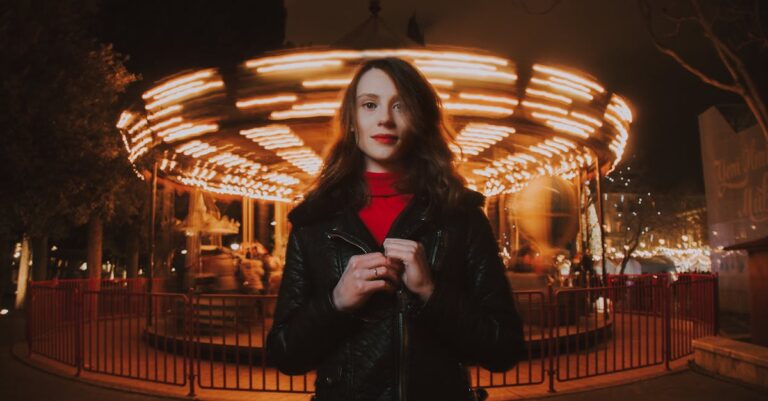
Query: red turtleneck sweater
{"x": 385, "y": 204}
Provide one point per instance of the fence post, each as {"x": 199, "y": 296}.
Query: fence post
{"x": 190, "y": 343}
{"x": 716, "y": 299}
{"x": 78, "y": 331}
{"x": 29, "y": 305}
{"x": 667, "y": 324}
{"x": 551, "y": 341}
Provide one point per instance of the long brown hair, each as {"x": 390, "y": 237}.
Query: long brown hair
{"x": 426, "y": 158}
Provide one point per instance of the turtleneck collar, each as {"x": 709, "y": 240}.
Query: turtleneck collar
{"x": 381, "y": 184}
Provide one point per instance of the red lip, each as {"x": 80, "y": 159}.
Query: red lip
{"x": 385, "y": 138}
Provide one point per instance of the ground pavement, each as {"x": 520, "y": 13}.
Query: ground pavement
{"x": 20, "y": 380}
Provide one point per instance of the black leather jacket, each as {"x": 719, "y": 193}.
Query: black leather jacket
{"x": 395, "y": 347}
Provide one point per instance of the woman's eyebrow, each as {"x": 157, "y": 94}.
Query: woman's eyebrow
{"x": 373, "y": 95}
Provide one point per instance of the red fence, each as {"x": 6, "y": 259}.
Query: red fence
{"x": 118, "y": 328}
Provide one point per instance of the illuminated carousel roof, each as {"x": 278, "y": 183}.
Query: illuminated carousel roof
{"x": 260, "y": 132}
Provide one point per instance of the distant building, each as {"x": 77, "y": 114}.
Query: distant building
{"x": 735, "y": 161}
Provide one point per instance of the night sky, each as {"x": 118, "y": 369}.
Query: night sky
{"x": 605, "y": 38}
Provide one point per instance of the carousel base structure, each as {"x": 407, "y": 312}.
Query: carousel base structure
{"x": 217, "y": 340}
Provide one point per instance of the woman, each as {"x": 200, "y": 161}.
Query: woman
{"x": 392, "y": 281}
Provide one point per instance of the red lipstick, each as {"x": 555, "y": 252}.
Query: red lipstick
{"x": 385, "y": 138}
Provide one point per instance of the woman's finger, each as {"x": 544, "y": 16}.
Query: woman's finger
{"x": 377, "y": 285}
{"x": 401, "y": 255}
{"x": 382, "y": 273}
{"x": 369, "y": 260}
{"x": 402, "y": 247}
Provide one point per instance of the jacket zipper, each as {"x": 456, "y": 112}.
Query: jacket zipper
{"x": 402, "y": 321}
{"x": 350, "y": 241}
{"x": 363, "y": 248}
{"x": 435, "y": 249}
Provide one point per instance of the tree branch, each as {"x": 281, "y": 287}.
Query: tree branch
{"x": 698, "y": 73}
{"x": 741, "y": 76}
{"x": 645, "y": 10}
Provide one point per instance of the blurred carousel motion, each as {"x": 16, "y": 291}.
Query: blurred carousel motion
{"x": 534, "y": 138}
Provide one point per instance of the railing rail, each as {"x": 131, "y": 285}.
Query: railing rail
{"x": 216, "y": 341}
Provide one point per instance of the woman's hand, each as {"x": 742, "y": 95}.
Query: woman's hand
{"x": 364, "y": 275}
{"x": 417, "y": 276}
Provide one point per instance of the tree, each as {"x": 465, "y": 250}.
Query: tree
{"x": 736, "y": 32}
{"x": 59, "y": 94}
{"x": 634, "y": 212}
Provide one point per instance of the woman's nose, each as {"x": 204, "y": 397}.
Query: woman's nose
{"x": 385, "y": 118}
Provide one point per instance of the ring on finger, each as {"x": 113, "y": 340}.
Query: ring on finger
{"x": 376, "y": 272}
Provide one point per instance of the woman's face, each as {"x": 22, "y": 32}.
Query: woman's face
{"x": 381, "y": 120}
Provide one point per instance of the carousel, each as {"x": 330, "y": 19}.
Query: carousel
{"x": 534, "y": 138}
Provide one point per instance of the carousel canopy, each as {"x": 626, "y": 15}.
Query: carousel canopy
{"x": 259, "y": 131}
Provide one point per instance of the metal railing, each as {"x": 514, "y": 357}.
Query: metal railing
{"x": 215, "y": 341}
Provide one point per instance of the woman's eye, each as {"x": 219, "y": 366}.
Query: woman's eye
{"x": 369, "y": 105}
{"x": 398, "y": 106}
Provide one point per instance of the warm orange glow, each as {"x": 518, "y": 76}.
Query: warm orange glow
{"x": 303, "y": 158}
{"x": 563, "y": 88}
{"x": 564, "y": 142}
{"x": 564, "y": 120}
{"x": 284, "y": 179}
{"x": 166, "y": 123}
{"x": 137, "y": 126}
{"x": 540, "y": 151}
{"x": 548, "y": 95}
{"x": 475, "y": 138}
{"x": 125, "y": 118}
{"x": 350, "y": 54}
{"x": 568, "y": 129}
{"x": 474, "y": 108}
{"x": 540, "y": 106}
{"x": 203, "y": 174}
{"x": 179, "y": 89}
{"x": 196, "y": 148}
{"x": 196, "y": 90}
{"x": 445, "y": 83}
{"x": 307, "y": 65}
{"x": 230, "y": 160}
{"x": 288, "y": 114}
{"x": 567, "y": 75}
{"x": 265, "y": 100}
{"x": 476, "y": 90}
{"x": 141, "y": 135}
{"x": 487, "y": 98}
{"x": 457, "y": 72}
{"x": 584, "y": 117}
{"x": 455, "y": 64}
{"x": 327, "y": 83}
{"x": 301, "y": 57}
{"x": 187, "y": 130}
{"x": 621, "y": 109}
{"x": 125, "y": 142}
{"x": 177, "y": 82}
{"x": 273, "y": 137}
{"x": 164, "y": 112}
{"x": 571, "y": 84}
{"x": 316, "y": 106}
{"x": 559, "y": 146}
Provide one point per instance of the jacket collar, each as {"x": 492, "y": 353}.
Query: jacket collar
{"x": 346, "y": 222}
{"x": 406, "y": 225}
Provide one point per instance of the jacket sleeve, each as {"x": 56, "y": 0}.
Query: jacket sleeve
{"x": 481, "y": 322}
{"x": 307, "y": 326}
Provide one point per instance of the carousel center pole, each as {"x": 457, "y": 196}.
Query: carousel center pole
{"x": 152, "y": 218}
